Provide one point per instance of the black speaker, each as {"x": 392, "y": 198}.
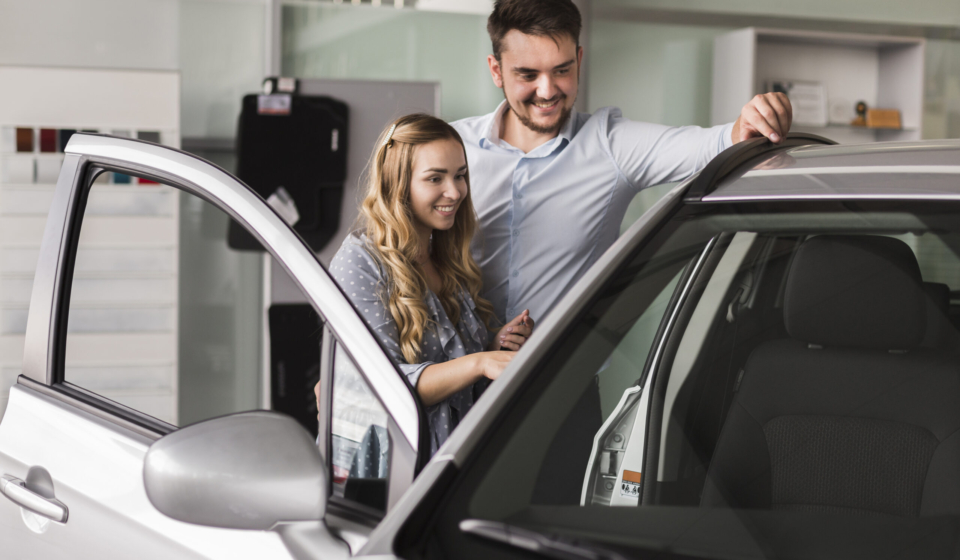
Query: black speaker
{"x": 296, "y": 333}
{"x": 299, "y": 143}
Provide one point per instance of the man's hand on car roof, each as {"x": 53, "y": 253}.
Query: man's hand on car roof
{"x": 767, "y": 114}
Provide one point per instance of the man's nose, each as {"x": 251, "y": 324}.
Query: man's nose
{"x": 546, "y": 88}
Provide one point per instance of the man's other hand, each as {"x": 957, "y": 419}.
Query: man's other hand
{"x": 767, "y": 114}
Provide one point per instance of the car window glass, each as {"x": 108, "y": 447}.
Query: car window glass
{"x": 937, "y": 260}
{"x": 799, "y": 384}
{"x": 360, "y": 447}
{"x": 164, "y": 317}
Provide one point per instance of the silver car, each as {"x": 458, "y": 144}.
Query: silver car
{"x": 765, "y": 365}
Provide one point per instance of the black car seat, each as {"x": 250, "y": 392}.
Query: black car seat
{"x": 849, "y": 414}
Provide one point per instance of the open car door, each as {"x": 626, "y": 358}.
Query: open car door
{"x": 72, "y": 460}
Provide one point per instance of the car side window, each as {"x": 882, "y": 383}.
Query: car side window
{"x": 164, "y": 317}
{"x": 359, "y": 445}
{"x": 938, "y": 262}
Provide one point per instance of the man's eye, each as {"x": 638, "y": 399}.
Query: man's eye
{"x": 563, "y": 71}
{"x": 528, "y": 77}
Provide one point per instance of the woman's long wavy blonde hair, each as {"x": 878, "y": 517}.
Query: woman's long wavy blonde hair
{"x": 389, "y": 222}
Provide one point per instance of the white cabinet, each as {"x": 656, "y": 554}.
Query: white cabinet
{"x": 885, "y": 72}
{"x": 127, "y": 265}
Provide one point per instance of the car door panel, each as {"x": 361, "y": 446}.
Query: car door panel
{"x": 97, "y": 472}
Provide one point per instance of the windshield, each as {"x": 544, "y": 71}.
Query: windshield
{"x": 758, "y": 380}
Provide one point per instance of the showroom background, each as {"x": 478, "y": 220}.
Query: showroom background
{"x": 652, "y": 58}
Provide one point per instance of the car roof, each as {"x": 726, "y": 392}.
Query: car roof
{"x": 891, "y": 170}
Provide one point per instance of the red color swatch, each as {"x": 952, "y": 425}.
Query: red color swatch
{"x": 48, "y": 140}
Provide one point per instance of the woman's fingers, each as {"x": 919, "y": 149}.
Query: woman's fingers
{"x": 517, "y": 320}
{"x": 522, "y": 330}
{"x": 516, "y": 340}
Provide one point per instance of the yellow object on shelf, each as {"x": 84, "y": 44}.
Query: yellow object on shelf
{"x": 883, "y": 118}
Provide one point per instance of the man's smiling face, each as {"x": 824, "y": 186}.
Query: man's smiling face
{"x": 539, "y": 77}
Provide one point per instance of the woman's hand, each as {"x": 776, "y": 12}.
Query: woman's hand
{"x": 439, "y": 381}
{"x": 514, "y": 334}
{"x": 492, "y": 364}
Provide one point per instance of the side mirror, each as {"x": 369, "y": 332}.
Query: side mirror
{"x": 253, "y": 470}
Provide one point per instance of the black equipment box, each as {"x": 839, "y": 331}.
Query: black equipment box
{"x": 296, "y": 334}
{"x": 299, "y": 143}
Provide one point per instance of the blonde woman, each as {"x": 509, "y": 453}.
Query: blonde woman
{"x": 409, "y": 271}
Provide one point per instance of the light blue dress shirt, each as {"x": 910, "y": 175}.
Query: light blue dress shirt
{"x": 548, "y": 215}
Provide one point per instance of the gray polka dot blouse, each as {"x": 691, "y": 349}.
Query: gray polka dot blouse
{"x": 359, "y": 274}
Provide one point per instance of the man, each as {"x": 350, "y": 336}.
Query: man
{"x": 551, "y": 185}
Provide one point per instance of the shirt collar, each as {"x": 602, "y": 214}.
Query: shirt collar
{"x": 492, "y": 135}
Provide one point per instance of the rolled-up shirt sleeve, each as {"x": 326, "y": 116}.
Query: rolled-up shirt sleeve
{"x": 652, "y": 154}
{"x": 360, "y": 277}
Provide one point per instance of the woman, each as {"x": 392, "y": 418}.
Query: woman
{"x": 410, "y": 273}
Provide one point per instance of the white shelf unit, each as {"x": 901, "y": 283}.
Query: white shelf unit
{"x": 123, "y": 339}
{"x": 885, "y": 72}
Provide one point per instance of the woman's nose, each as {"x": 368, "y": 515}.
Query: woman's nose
{"x": 451, "y": 191}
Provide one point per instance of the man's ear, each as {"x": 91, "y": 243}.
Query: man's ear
{"x": 496, "y": 72}
{"x": 579, "y": 61}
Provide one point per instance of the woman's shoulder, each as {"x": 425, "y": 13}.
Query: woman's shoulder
{"x": 355, "y": 253}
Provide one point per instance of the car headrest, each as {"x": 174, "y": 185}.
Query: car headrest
{"x": 855, "y": 291}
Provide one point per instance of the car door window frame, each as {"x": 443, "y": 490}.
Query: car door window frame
{"x": 403, "y": 460}
{"x": 45, "y": 342}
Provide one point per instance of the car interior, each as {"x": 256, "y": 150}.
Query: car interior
{"x": 806, "y": 399}
{"x": 847, "y": 402}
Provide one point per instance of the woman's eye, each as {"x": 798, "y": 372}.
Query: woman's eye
{"x": 461, "y": 177}
{"x": 434, "y": 179}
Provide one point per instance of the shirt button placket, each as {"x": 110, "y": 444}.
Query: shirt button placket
{"x": 513, "y": 292}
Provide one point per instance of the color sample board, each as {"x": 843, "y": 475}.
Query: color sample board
{"x": 122, "y": 342}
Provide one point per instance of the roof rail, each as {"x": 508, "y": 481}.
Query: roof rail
{"x": 738, "y": 154}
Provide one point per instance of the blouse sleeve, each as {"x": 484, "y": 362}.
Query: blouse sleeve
{"x": 360, "y": 277}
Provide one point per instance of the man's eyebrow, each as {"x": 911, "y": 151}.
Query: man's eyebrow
{"x": 522, "y": 70}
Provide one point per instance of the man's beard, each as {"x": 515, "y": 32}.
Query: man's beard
{"x": 552, "y": 129}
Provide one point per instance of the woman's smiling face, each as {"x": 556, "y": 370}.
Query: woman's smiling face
{"x": 438, "y": 184}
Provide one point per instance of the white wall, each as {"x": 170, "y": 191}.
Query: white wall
{"x": 222, "y": 51}
{"x": 134, "y": 34}
{"x": 653, "y": 73}
{"x": 218, "y": 46}
{"x": 922, "y": 12}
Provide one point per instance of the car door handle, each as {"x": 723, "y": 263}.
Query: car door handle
{"x": 16, "y": 490}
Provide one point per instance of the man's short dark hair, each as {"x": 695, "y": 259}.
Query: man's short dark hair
{"x": 545, "y": 18}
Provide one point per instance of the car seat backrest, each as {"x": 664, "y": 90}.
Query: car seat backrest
{"x": 849, "y": 414}
{"x": 855, "y": 291}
